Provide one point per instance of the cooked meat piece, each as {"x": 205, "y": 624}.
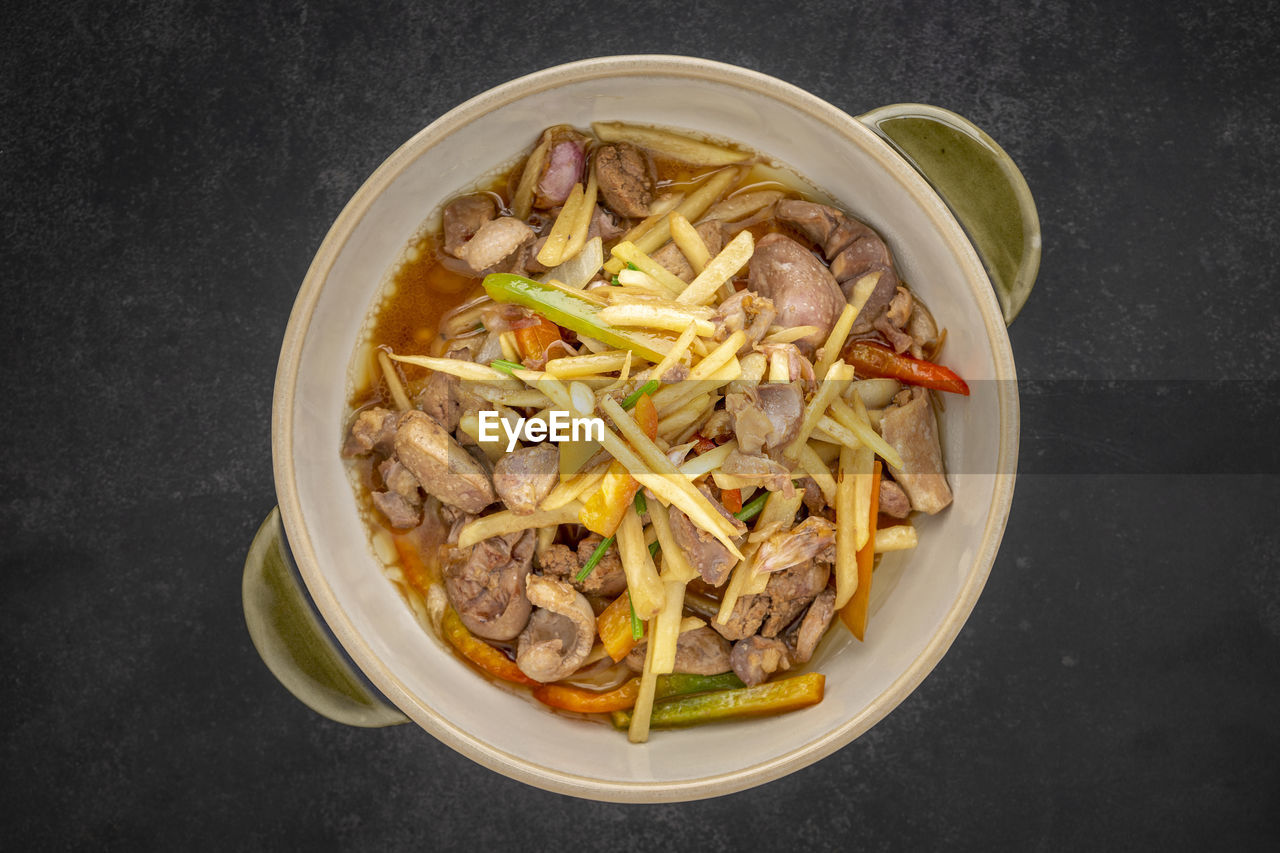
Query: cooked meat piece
{"x": 900, "y": 308}
{"x": 607, "y": 578}
{"x": 893, "y": 500}
{"x": 400, "y": 480}
{"x": 898, "y": 339}
{"x": 750, "y": 423}
{"x": 439, "y": 399}
{"x": 670, "y": 256}
{"x": 486, "y": 584}
{"x": 373, "y": 430}
{"x": 912, "y": 430}
{"x": 560, "y": 632}
{"x": 524, "y": 477}
{"x": 529, "y": 257}
{"x": 766, "y": 417}
{"x": 835, "y": 231}
{"x": 698, "y": 652}
{"x": 677, "y": 372}
{"x": 922, "y": 329}
{"x": 442, "y": 397}
{"x": 802, "y": 289}
{"x": 455, "y": 518}
{"x": 744, "y": 311}
{"x": 813, "y": 499}
{"x": 626, "y": 177}
{"x": 853, "y": 249}
{"x": 563, "y": 167}
{"x": 866, "y": 254}
{"x": 463, "y": 218}
{"x": 892, "y": 320}
{"x": 760, "y": 470}
{"x": 813, "y": 538}
{"x": 604, "y": 226}
{"x": 798, "y": 367}
{"x": 831, "y": 229}
{"x": 718, "y": 426}
{"x": 441, "y": 465}
{"x": 790, "y": 591}
{"x": 705, "y": 553}
{"x": 558, "y": 561}
{"x": 400, "y": 513}
{"x": 814, "y": 625}
{"x": 754, "y": 659}
{"x": 745, "y": 618}
{"x": 496, "y": 241}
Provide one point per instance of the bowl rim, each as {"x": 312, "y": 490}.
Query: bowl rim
{"x": 303, "y": 548}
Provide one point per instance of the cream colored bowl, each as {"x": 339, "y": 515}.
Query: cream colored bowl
{"x": 921, "y": 597}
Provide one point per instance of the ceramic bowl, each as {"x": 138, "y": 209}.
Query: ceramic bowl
{"x": 920, "y": 599}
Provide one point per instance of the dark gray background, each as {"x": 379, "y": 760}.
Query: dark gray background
{"x": 168, "y": 171}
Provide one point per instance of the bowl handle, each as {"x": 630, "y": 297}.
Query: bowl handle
{"x": 981, "y": 185}
{"x": 293, "y": 643}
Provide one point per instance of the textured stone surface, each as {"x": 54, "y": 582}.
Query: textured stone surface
{"x": 168, "y": 170}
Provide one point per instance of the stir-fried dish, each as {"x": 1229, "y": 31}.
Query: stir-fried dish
{"x": 640, "y": 418}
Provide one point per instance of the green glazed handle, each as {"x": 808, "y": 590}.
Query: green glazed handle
{"x": 980, "y": 183}
{"x": 292, "y": 642}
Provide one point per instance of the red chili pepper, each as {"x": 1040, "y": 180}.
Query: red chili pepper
{"x": 870, "y": 359}
{"x": 583, "y": 701}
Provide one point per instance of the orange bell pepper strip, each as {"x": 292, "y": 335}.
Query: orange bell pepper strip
{"x": 646, "y": 415}
{"x": 603, "y": 510}
{"x": 854, "y": 614}
{"x": 417, "y": 573}
{"x": 534, "y": 341}
{"x": 568, "y": 698}
{"x": 480, "y": 653}
{"x": 623, "y": 697}
{"x": 614, "y": 627}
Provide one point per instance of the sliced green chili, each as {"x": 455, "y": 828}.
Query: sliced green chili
{"x": 752, "y": 508}
{"x": 594, "y": 560}
{"x": 574, "y": 311}
{"x": 637, "y": 627}
{"x": 505, "y": 366}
